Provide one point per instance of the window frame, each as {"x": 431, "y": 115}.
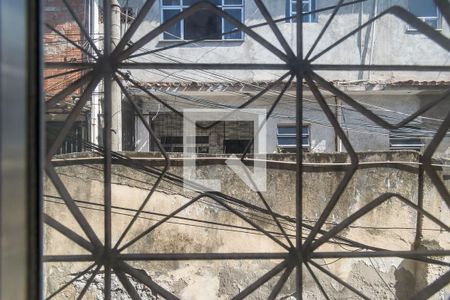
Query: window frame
{"x": 399, "y": 135}
{"x": 312, "y": 18}
{"x": 180, "y": 7}
{"x": 437, "y": 17}
{"x": 306, "y": 147}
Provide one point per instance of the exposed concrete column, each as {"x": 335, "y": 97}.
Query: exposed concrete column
{"x": 116, "y": 94}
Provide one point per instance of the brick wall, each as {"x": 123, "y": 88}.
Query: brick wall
{"x": 58, "y": 49}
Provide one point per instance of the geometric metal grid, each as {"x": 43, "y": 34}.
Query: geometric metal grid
{"x": 108, "y": 66}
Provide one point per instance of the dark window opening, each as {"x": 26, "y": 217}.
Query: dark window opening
{"x": 235, "y": 146}
{"x": 75, "y": 140}
{"x": 202, "y": 24}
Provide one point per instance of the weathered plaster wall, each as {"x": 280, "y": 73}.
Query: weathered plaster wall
{"x": 387, "y": 42}
{"x": 391, "y": 226}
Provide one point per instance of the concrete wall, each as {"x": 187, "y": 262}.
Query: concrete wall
{"x": 391, "y": 226}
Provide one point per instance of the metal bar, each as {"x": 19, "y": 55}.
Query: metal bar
{"x": 408, "y": 18}
{"x": 269, "y": 209}
{"x": 127, "y": 284}
{"x": 281, "y": 282}
{"x": 146, "y": 212}
{"x": 81, "y": 26}
{"x": 299, "y": 151}
{"x": 324, "y": 28}
{"x": 69, "y": 258}
{"x": 428, "y": 155}
{"x": 200, "y": 6}
{"x": 70, "y": 120}
{"x": 276, "y": 31}
{"x": 143, "y": 278}
{"x": 237, "y": 30}
{"x": 88, "y": 283}
{"x": 369, "y": 207}
{"x": 269, "y": 113}
{"x": 107, "y": 144}
{"x": 139, "y": 86}
{"x": 348, "y": 174}
{"x": 354, "y": 67}
{"x": 70, "y": 282}
{"x": 433, "y": 288}
{"x": 250, "y": 101}
{"x": 419, "y": 218}
{"x": 70, "y": 41}
{"x": 73, "y": 208}
{"x": 160, "y": 222}
{"x": 200, "y": 256}
{"x": 350, "y": 101}
{"x": 444, "y": 7}
{"x": 381, "y": 253}
{"x": 339, "y": 280}
{"x": 161, "y": 149}
{"x": 249, "y": 221}
{"x": 246, "y": 66}
{"x": 263, "y": 279}
{"x": 369, "y": 114}
{"x": 64, "y": 73}
{"x": 134, "y": 26}
{"x": 440, "y": 186}
{"x": 322, "y": 290}
{"x": 201, "y": 66}
{"x": 69, "y": 90}
{"x": 68, "y": 65}
{"x": 69, "y": 233}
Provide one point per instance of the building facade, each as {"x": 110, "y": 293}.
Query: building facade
{"x": 209, "y": 38}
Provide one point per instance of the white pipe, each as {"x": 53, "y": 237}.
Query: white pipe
{"x": 95, "y": 103}
{"x": 372, "y": 43}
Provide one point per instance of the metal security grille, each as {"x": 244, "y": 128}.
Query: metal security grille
{"x": 301, "y": 250}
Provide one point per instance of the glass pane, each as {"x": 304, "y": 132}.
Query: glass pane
{"x": 305, "y": 141}
{"x": 286, "y": 130}
{"x": 433, "y": 22}
{"x": 237, "y": 14}
{"x": 171, "y": 2}
{"x": 203, "y": 24}
{"x": 307, "y": 7}
{"x": 190, "y": 2}
{"x": 232, "y": 2}
{"x": 290, "y": 141}
{"x": 174, "y": 32}
{"x": 423, "y": 8}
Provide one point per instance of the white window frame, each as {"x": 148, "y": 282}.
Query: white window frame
{"x": 312, "y": 4}
{"x": 180, "y": 7}
{"x": 436, "y": 17}
{"x": 293, "y": 135}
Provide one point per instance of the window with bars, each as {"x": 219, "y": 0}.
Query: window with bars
{"x": 287, "y": 140}
{"x": 426, "y": 10}
{"x": 308, "y": 6}
{"x": 202, "y": 24}
{"x": 407, "y": 138}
